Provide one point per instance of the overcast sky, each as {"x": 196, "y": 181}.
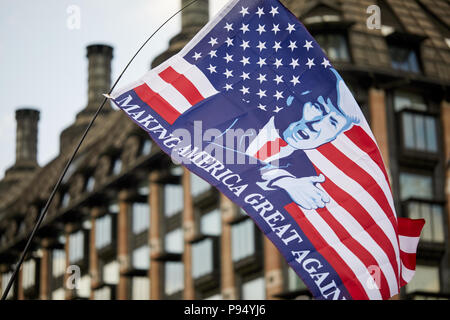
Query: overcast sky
{"x": 43, "y": 61}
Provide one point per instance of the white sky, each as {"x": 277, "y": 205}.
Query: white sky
{"x": 43, "y": 62}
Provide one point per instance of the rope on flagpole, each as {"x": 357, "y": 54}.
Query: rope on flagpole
{"x": 52, "y": 195}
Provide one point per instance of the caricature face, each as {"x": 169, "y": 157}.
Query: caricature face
{"x": 320, "y": 123}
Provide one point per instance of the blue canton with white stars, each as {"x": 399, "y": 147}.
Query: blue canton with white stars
{"x": 258, "y": 52}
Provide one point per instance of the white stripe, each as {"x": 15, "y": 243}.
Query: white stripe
{"x": 167, "y": 91}
{"x": 408, "y": 244}
{"x": 363, "y": 160}
{"x": 359, "y": 234}
{"x": 407, "y": 274}
{"x": 352, "y": 261}
{"x": 359, "y": 193}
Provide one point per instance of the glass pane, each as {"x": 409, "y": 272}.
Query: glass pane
{"x": 202, "y": 255}
{"x": 174, "y": 277}
{"x": 111, "y": 272}
{"x": 217, "y": 296}
{"x": 211, "y": 223}
{"x": 146, "y": 147}
{"x": 76, "y": 246}
{"x": 419, "y": 130}
{"x": 426, "y": 278}
{"x": 425, "y": 212}
{"x": 141, "y": 217}
{"x": 173, "y": 199}
{"x": 141, "y": 257}
{"x": 117, "y": 167}
{"x": 430, "y": 130}
{"x": 90, "y": 184}
{"x": 58, "y": 294}
{"x": 198, "y": 185}
{"x": 415, "y": 186}
{"x": 414, "y": 210}
{"x": 438, "y": 223}
{"x": 102, "y": 294}
{"x": 140, "y": 288}
{"x": 84, "y": 289}
{"x": 58, "y": 263}
{"x": 174, "y": 241}
{"x": 254, "y": 290}
{"x": 243, "y": 239}
{"x": 294, "y": 281}
{"x": 408, "y": 130}
{"x": 404, "y": 99}
{"x": 103, "y": 231}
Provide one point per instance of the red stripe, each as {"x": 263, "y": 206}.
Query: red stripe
{"x": 157, "y": 103}
{"x": 356, "y": 173}
{"x": 408, "y": 260}
{"x": 353, "y": 207}
{"x": 360, "y": 137}
{"x": 410, "y": 227}
{"x": 354, "y": 246}
{"x": 270, "y": 148}
{"x": 182, "y": 84}
{"x": 347, "y": 276}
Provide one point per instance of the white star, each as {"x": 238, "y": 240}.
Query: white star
{"x": 261, "y": 78}
{"x": 228, "y": 57}
{"x": 277, "y": 109}
{"x": 244, "y": 11}
{"x": 261, "y": 62}
{"x": 261, "y": 46}
{"x": 245, "y": 60}
{"x": 244, "y": 90}
{"x": 274, "y": 11}
{"x": 295, "y": 80}
{"x": 275, "y": 28}
{"x": 228, "y": 26}
{"x": 212, "y": 53}
{"x": 244, "y": 28}
{"x": 277, "y": 46}
{"x": 278, "y": 95}
{"x": 261, "y": 29}
{"x": 262, "y": 107}
{"x": 308, "y": 45}
{"x": 228, "y": 73}
{"x": 292, "y": 45}
{"x": 290, "y": 28}
{"x": 213, "y": 41}
{"x": 229, "y": 42}
{"x": 294, "y": 63}
{"x": 212, "y": 68}
{"x": 310, "y": 63}
{"x": 261, "y": 93}
{"x": 197, "y": 56}
{"x": 244, "y": 75}
{"x": 244, "y": 45}
{"x": 278, "y": 63}
{"x": 260, "y": 12}
{"x": 326, "y": 63}
{"x": 278, "y": 79}
{"x": 228, "y": 87}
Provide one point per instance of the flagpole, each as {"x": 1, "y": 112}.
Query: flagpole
{"x": 52, "y": 195}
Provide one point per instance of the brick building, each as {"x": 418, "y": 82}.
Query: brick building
{"x": 128, "y": 223}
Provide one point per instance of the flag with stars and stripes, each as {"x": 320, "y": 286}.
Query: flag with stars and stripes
{"x": 253, "y": 106}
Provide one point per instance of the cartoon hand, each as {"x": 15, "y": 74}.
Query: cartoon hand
{"x": 304, "y": 191}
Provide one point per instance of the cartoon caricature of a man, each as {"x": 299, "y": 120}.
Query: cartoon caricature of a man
{"x": 316, "y": 122}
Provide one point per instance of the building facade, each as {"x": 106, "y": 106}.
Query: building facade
{"x": 128, "y": 223}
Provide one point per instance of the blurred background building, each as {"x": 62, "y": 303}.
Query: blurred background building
{"x": 130, "y": 224}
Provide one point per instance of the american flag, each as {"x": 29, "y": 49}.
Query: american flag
{"x": 257, "y": 57}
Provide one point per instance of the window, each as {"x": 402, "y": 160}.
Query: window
{"x": 334, "y": 45}
{"x": 140, "y": 288}
{"x": 211, "y": 223}
{"x": 202, "y": 258}
{"x": 117, "y": 166}
{"x": 90, "y": 184}
{"x": 426, "y": 278}
{"x": 294, "y": 282}
{"x": 65, "y": 199}
{"x": 141, "y": 217}
{"x": 254, "y": 289}
{"x": 58, "y": 263}
{"x": 84, "y": 289}
{"x": 28, "y": 274}
{"x": 103, "y": 293}
{"x": 111, "y": 272}
{"x": 404, "y": 59}
{"x": 414, "y": 185}
{"x": 76, "y": 246}
{"x": 198, "y": 185}
{"x": 433, "y": 214}
{"x": 146, "y": 147}
{"x": 242, "y": 239}
{"x": 174, "y": 241}
{"x": 5, "y": 279}
{"x": 103, "y": 231}
{"x": 408, "y": 100}
{"x": 58, "y": 294}
{"x": 140, "y": 258}
{"x": 216, "y": 296}
{"x": 173, "y": 199}
{"x": 174, "y": 277}
{"x": 144, "y": 188}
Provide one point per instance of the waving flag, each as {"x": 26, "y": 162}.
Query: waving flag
{"x": 253, "y": 106}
